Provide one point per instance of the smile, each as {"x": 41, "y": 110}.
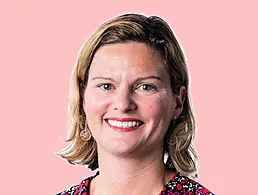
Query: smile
{"x": 124, "y": 124}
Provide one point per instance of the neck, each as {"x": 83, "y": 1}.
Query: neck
{"x": 130, "y": 175}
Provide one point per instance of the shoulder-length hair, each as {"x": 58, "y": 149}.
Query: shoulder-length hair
{"x": 179, "y": 151}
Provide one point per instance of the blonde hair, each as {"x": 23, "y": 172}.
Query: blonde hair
{"x": 156, "y": 33}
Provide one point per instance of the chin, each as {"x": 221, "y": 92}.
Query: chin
{"x": 121, "y": 148}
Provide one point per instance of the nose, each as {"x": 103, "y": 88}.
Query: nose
{"x": 123, "y": 101}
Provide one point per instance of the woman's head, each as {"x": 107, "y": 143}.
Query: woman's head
{"x": 105, "y": 84}
{"x": 127, "y": 82}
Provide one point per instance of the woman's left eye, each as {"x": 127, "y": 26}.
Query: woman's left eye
{"x": 147, "y": 87}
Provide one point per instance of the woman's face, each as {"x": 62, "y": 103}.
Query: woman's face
{"x": 128, "y": 100}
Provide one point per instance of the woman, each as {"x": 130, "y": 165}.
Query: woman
{"x": 131, "y": 116}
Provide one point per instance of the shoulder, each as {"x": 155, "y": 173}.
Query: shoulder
{"x": 81, "y": 188}
{"x": 69, "y": 191}
{"x": 76, "y": 189}
{"x": 184, "y": 185}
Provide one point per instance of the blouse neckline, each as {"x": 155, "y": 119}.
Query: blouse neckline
{"x": 176, "y": 173}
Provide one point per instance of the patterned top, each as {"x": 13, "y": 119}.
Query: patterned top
{"x": 177, "y": 185}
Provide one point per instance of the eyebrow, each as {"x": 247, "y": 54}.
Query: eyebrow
{"x": 137, "y": 80}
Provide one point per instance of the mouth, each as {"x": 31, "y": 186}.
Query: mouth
{"x": 124, "y": 124}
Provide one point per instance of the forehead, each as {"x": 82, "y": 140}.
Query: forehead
{"x": 132, "y": 56}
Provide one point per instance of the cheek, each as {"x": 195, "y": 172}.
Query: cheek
{"x": 95, "y": 105}
{"x": 157, "y": 108}
{"x": 158, "y": 112}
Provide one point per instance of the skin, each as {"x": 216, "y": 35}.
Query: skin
{"x": 126, "y": 159}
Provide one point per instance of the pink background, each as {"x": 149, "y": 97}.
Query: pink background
{"x": 39, "y": 41}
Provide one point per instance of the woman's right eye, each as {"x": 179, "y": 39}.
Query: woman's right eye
{"x": 106, "y": 86}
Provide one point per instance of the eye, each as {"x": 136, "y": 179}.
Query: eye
{"x": 147, "y": 87}
{"x": 106, "y": 86}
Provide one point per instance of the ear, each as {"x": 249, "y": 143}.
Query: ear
{"x": 82, "y": 91}
{"x": 83, "y": 104}
{"x": 180, "y": 98}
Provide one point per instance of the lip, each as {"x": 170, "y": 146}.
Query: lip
{"x": 124, "y": 120}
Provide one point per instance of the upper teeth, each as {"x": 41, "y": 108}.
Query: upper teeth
{"x": 124, "y": 124}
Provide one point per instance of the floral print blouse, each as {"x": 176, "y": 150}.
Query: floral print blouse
{"x": 177, "y": 185}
